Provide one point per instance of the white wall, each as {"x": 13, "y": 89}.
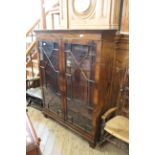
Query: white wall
{"x": 32, "y": 12}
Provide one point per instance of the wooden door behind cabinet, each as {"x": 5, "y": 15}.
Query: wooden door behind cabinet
{"x": 93, "y": 14}
{"x": 125, "y": 17}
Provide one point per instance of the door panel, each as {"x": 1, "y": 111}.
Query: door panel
{"x": 80, "y": 77}
{"x": 49, "y": 62}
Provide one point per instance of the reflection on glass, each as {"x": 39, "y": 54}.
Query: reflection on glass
{"x": 50, "y": 54}
{"x": 80, "y": 66}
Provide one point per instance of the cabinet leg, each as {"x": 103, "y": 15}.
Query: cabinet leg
{"x": 45, "y": 116}
{"x": 28, "y": 102}
{"x": 92, "y": 145}
{"x": 39, "y": 140}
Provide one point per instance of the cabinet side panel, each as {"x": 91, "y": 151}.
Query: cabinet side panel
{"x": 121, "y": 85}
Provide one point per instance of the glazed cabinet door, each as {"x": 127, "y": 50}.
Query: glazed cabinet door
{"x": 50, "y": 74}
{"x": 80, "y": 79}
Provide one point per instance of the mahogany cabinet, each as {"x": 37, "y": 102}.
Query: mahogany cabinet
{"x": 76, "y": 69}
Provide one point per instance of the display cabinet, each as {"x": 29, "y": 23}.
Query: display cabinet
{"x": 76, "y": 69}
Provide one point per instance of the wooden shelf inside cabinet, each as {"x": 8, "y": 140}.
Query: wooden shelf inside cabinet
{"x": 79, "y": 108}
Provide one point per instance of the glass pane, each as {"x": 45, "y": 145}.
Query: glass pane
{"x": 80, "y": 67}
{"x": 50, "y": 61}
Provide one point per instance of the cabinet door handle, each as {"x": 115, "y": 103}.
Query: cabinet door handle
{"x": 121, "y": 89}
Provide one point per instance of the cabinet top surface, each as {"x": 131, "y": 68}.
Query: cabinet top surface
{"x": 75, "y": 34}
{"x": 74, "y": 31}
